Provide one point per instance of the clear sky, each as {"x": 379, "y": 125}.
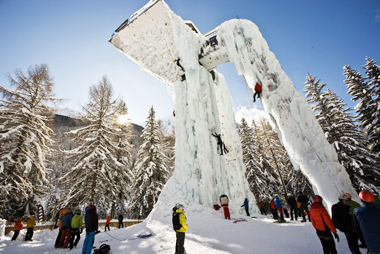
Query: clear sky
{"x": 71, "y": 36}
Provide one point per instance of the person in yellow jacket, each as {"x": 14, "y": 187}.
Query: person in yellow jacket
{"x": 180, "y": 226}
{"x": 76, "y": 229}
{"x": 30, "y": 226}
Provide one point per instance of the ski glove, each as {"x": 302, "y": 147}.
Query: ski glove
{"x": 336, "y": 237}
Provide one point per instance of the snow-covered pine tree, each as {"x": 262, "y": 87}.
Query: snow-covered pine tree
{"x": 256, "y": 178}
{"x": 25, "y": 140}
{"x": 123, "y": 155}
{"x": 373, "y": 128}
{"x": 168, "y": 145}
{"x": 151, "y": 171}
{"x": 341, "y": 131}
{"x": 99, "y": 175}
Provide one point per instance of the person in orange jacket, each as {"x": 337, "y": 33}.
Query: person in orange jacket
{"x": 107, "y": 223}
{"x": 18, "y": 226}
{"x": 323, "y": 225}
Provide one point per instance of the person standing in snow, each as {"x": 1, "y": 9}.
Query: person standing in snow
{"x": 180, "y": 226}
{"x": 108, "y": 221}
{"x": 121, "y": 225}
{"x": 18, "y": 226}
{"x": 273, "y": 209}
{"x": 367, "y": 221}
{"x": 60, "y": 214}
{"x": 304, "y": 205}
{"x": 323, "y": 225}
{"x": 30, "y": 225}
{"x": 76, "y": 229}
{"x": 219, "y": 142}
{"x": 91, "y": 222}
{"x": 279, "y": 206}
{"x": 293, "y": 207}
{"x": 353, "y": 205}
{"x": 342, "y": 220}
{"x": 258, "y": 89}
{"x": 260, "y": 204}
{"x": 224, "y": 203}
{"x": 66, "y": 226}
{"x": 246, "y": 206}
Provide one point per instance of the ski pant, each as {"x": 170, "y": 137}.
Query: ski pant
{"x": 74, "y": 234}
{"x": 303, "y": 209}
{"x": 258, "y": 95}
{"x": 121, "y": 225}
{"x": 29, "y": 234}
{"x": 220, "y": 145}
{"x": 15, "y": 235}
{"x": 107, "y": 226}
{"x": 179, "y": 243}
{"x": 246, "y": 210}
{"x": 65, "y": 237}
{"x": 88, "y": 242}
{"x": 281, "y": 213}
{"x": 274, "y": 213}
{"x": 352, "y": 240}
{"x": 58, "y": 240}
{"x": 262, "y": 210}
{"x": 293, "y": 209}
{"x": 226, "y": 211}
{"x": 327, "y": 242}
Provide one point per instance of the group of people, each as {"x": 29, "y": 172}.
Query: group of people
{"x": 70, "y": 228}
{"x": 30, "y": 223}
{"x": 355, "y": 221}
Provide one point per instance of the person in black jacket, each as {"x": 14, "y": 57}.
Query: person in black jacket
{"x": 121, "y": 225}
{"x": 293, "y": 207}
{"x": 342, "y": 220}
{"x": 91, "y": 222}
{"x": 304, "y": 205}
{"x": 219, "y": 142}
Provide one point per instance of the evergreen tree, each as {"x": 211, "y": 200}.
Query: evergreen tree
{"x": 373, "y": 128}
{"x": 101, "y": 165}
{"x": 348, "y": 141}
{"x": 25, "y": 140}
{"x": 260, "y": 182}
{"x": 151, "y": 171}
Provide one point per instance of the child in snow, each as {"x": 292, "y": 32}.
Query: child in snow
{"x": 108, "y": 221}
{"x": 279, "y": 206}
{"x": 246, "y": 206}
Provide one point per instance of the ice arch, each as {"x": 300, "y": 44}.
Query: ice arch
{"x": 155, "y": 37}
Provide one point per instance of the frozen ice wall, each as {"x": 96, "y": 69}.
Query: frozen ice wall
{"x": 202, "y": 107}
{"x": 299, "y": 130}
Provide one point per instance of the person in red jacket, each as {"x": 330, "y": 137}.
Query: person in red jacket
{"x": 18, "y": 227}
{"x": 323, "y": 225}
{"x": 257, "y": 92}
{"x": 107, "y": 223}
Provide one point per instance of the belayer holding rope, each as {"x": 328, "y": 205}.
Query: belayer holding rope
{"x": 258, "y": 89}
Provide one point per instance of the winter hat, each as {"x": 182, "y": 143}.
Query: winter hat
{"x": 180, "y": 206}
{"x": 348, "y": 195}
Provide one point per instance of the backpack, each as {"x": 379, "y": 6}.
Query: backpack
{"x": 175, "y": 220}
{"x": 103, "y": 249}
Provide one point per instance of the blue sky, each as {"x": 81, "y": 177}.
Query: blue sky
{"x": 318, "y": 37}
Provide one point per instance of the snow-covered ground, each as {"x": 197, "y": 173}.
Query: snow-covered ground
{"x": 208, "y": 233}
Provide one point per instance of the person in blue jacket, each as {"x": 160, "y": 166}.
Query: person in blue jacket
{"x": 367, "y": 221}
{"x": 246, "y": 206}
{"x": 279, "y": 206}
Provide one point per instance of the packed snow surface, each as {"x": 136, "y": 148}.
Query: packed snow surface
{"x": 208, "y": 233}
